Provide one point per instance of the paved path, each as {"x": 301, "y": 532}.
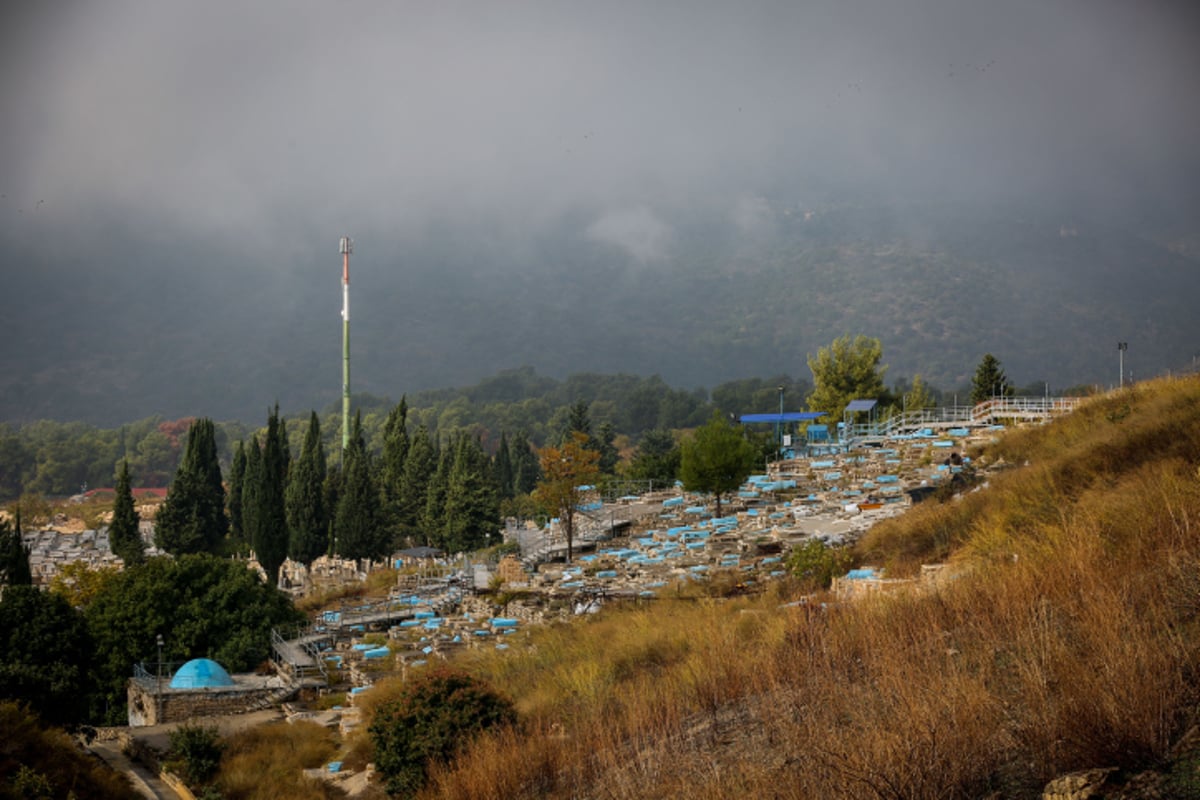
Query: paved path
{"x": 144, "y": 782}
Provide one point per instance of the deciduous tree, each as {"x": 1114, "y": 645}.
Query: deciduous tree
{"x": 564, "y": 470}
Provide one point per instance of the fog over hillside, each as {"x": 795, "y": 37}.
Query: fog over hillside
{"x": 699, "y": 190}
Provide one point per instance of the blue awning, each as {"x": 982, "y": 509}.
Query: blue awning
{"x": 787, "y": 416}
{"x": 861, "y": 405}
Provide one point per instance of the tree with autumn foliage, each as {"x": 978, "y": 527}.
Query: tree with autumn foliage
{"x": 564, "y": 470}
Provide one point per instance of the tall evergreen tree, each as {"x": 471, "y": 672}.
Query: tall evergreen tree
{"x": 269, "y": 536}
{"x": 237, "y": 477}
{"x": 192, "y": 519}
{"x": 471, "y": 511}
{"x": 308, "y": 521}
{"x": 392, "y": 461}
{"x": 989, "y": 380}
{"x": 656, "y": 458}
{"x": 251, "y": 489}
{"x": 14, "y": 555}
{"x": 419, "y": 468}
{"x": 578, "y": 421}
{"x": 609, "y": 456}
{"x": 433, "y": 521}
{"x": 123, "y": 536}
{"x": 357, "y": 525}
{"x": 527, "y": 471}
{"x": 503, "y": 470}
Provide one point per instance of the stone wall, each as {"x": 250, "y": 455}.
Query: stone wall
{"x": 179, "y": 705}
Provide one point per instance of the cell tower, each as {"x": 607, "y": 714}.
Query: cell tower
{"x": 346, "y": 247}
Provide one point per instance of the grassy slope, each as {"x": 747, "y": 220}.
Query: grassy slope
{"x": 1069, "y": 642}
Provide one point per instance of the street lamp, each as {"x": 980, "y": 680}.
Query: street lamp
{"x": 158, "y": 717}
{"x": 1121, "y": 348}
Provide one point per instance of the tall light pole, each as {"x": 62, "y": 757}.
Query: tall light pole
{"x": 779, "y": 424}
{"x": 1121, "y": 348}
{"x": 346, "y": 247}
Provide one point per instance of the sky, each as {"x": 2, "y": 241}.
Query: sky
{"x": 272, "y": 128}
{"x": 235, "y": 119}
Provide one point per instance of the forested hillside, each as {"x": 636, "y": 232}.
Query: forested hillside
{"x": 713, "y": 301}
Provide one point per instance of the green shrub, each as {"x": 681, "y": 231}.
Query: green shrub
{"x": 434, "y": 715}
{"x": 195, "y": 753}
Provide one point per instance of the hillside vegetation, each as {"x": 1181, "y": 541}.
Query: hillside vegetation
{"x": 1069, "y": 640}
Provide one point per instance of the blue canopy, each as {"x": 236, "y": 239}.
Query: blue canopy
{"x": 787, "y": 416}
{"x": 861, "y": 405}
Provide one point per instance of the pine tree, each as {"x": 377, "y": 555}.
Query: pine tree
{"x": 419, "y": 468}
{"x": 192, "y": 519}
{"x": 990, "y": 380}
{"x": 304, "y": 502}
{"x": 359, "y": 531}
{"x": 578, "y": 421}
{"x": 716, "y": 460}
{"x": 237, "y": 477}
{"x": 269, "y": 536}
{"x": 124, "y": 539}
{"x": 846, "y": 370}
{"x": 14, "y": 555}
{"x": 391, "y": 463}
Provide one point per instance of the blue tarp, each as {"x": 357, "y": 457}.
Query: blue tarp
{"x": 787, "y": 416}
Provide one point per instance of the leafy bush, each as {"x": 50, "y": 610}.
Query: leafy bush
{"x": 195, "y": 753}
{"x": 815, "y": 564}
{"x": 434, "y": 715}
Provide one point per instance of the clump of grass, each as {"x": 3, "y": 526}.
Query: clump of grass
{"x": 266, "y": 763}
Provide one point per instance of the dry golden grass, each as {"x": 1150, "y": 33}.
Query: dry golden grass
{"x": 266, "y": 763}
{"x": 1071, "y": 641}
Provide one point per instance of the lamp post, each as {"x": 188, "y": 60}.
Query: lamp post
{"x": 1121, "y": 348}
{"x": 779, "y": 425}
{"x": 158, "y": 720}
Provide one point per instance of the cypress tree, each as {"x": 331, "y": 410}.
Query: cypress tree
{"x": 419, "y": 468}
{"x": 432, "y": 518}
{"x": 192, "y": 519}
{"x": 269, "y": 536}
{"x": 237, "y": 479}
{"x": 123, "y": 536}
{"x": 391, "y": 463}
{"x": 307, "y": 519}
{"x": 471, "y": 510}
{"x": 251, "y": 489}
{"x": 14, "y": 555}
{"x": 526, "y": 469}
{"x": 608, "y": 451}
{"x": 357, "y": 521}
{"x": 503, "y": 469}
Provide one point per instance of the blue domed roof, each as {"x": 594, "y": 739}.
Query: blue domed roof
{"x": 201, "y": 673}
